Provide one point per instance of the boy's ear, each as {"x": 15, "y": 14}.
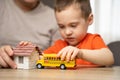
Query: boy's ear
{"x": 90, "y": 19}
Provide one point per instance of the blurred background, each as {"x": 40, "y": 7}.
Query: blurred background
{"x": 106, "y": 18}
{"x": 49, "y": 2}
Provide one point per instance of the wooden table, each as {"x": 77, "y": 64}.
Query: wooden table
{"x": 103, "y": 73}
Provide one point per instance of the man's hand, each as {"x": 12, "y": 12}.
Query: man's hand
{"x": 6, "y": 53}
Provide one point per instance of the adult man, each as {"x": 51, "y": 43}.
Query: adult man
{"x": 24, "y": 20}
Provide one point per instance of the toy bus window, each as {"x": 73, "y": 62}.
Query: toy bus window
{"x": 59, "y": 58}
{"x": 53, "y": 58}
{"x": 21, "y": 59}
{"x": 46, "y": 58}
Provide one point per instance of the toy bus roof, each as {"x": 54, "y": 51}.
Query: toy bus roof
{"x": 50, "y": 55}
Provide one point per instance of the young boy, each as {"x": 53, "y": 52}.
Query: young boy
{"x": 73, "y": 18}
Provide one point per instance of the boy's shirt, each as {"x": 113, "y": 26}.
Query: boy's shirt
{"x": 91, "y": 41}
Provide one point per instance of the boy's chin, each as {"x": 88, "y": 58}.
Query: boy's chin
{"x": 73, "y": 44}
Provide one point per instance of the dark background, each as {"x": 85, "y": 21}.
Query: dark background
{"x": 49, "y": 2}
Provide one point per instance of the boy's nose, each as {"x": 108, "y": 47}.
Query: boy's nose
{"x": 68, "y": 32}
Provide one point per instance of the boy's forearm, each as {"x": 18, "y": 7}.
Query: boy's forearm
{"x": 103, "y": 57}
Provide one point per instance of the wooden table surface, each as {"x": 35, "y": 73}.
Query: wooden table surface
{"x": 103, "y": 73}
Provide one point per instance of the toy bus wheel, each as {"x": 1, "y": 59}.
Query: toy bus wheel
{"x": 39, "y": 66}
{"x": 62, "y": 66}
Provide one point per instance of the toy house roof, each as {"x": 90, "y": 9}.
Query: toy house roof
{"x": 25, "y": 50}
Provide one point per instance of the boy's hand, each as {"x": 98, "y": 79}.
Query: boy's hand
{"x": 6, "y": 53}
{"x": 68, "y": 53}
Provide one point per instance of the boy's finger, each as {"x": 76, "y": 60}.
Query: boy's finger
{"x": 69, "y": 54}
{"x": 74, "y": 54}
{"x": 59, "y": 54}
{"x": 63, "y": 56}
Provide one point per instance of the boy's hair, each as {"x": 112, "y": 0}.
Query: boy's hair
{"x": 84, "y": 6}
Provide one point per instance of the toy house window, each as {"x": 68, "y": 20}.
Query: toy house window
{"x": 21, "y": 59}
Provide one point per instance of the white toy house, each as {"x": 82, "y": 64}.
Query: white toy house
{"x": 28, "y": 55}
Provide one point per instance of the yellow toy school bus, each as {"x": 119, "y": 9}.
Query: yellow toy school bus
{"x": 51, "y": 60}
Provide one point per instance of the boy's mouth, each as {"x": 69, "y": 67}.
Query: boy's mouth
{"x": 70, "y": 39}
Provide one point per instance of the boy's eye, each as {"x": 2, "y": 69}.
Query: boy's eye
{"x": 73, "y": 25}
{"x": 61, "y": 26}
